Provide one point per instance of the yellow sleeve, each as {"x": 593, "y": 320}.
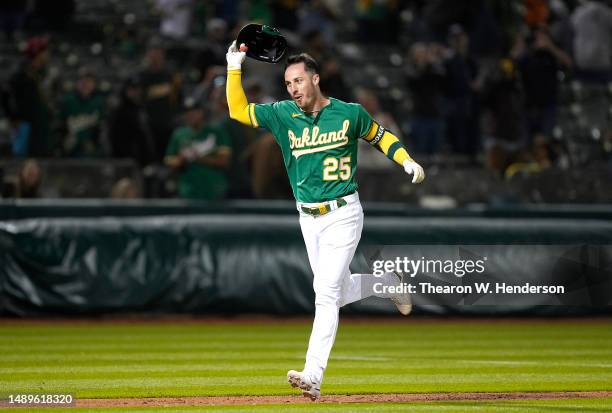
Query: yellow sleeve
{"x": 239, "y": 107}
{"x": 387, "y": 143}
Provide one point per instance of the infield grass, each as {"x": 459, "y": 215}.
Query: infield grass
{"x": 151, "y": 360}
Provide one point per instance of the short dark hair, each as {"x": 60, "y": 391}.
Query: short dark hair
{"x": 310, "y": 64}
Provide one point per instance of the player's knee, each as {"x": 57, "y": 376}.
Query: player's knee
{"x": 328, "y": 299}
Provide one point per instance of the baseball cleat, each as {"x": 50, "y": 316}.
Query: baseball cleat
{"x": 294, "y": 378}
{"x": 403, "y": 301}
{"x": 310, "y": 388}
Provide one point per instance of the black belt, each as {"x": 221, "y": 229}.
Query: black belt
{"x": 323, "y": 208}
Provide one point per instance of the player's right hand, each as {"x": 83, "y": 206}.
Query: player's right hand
{"x": 234, "y": 57}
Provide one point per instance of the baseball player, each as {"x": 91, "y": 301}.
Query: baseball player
{"x": 318, "y": 138}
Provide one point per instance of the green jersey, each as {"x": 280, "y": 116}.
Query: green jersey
{"x": 320, "y": 152}
{"x": 83, "y": 118}
{"x": 199, "y": 181}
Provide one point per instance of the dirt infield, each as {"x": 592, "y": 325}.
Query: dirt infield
{"x": 353, "y": 398}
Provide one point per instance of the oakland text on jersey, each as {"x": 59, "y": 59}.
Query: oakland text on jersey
{"x": 318, "y": 142}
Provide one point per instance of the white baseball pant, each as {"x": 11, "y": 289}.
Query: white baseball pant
{"x": 331, "y": 240}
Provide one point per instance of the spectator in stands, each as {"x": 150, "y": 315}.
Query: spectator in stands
{"x": 503, "y": 117}
{"x": 539, "y": 61}
{"x": 129, "y": 131}
{"x": 201, "y": 154}
{"x": 161, "y": 92}
{"x": 316, "y": 46}
{"x": 29, "y": 180}
{"x": 269, "y": 177}
{"x": 82, "y": 116}
{"x": 462, "y": 116}
{"x": 425, "y": 80}
{"x": 332, "y": 80}
{"x": 209, "y": 81}
{"x": 241, "y": 137}
{"x": 536, "y": 13}
{"x": 175, "y": 18}
{"x": 540, "y": 158}
{"x": 216, "y": 34}
{"x": 212, "y": 53}
{"x": 592, "y": 22}
{"x": 129, "y": 44}
{"x": 257, "y": 167}
{"x": 125, "y": 188}
{"x": 19, "y": 133}
{"x": 369, "y": 158}
{"x": 27, "y": 104}
{"x": 254, "y": 88}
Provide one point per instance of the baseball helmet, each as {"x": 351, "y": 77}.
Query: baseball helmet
{"x": 265, "y": 43}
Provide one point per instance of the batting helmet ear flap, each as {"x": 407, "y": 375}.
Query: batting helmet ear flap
{"x": 265, "y": 43}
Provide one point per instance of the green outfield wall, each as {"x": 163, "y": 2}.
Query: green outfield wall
{"x": 235, "y": 263}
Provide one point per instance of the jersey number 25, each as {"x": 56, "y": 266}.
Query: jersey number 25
{"x": 334, "y": 169}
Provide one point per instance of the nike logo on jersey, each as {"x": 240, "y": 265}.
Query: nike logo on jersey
{"x": 317, "y": 142}
{"x": 295, "y": 115}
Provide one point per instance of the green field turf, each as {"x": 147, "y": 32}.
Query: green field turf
{"x": 148, "y": 360}
{"x": 526, "y": 406}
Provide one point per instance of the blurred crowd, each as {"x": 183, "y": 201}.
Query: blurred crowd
{"x": 479, "y": 79}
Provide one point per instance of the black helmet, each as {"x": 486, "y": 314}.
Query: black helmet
{"x": 265, "y": 43}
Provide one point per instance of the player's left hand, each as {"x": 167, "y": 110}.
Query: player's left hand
{"x": 414, "y": 169}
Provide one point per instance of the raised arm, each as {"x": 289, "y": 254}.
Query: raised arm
{"x": 239, "y": 107}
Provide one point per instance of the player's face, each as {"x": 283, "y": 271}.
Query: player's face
{"x": 301, "y": 85}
